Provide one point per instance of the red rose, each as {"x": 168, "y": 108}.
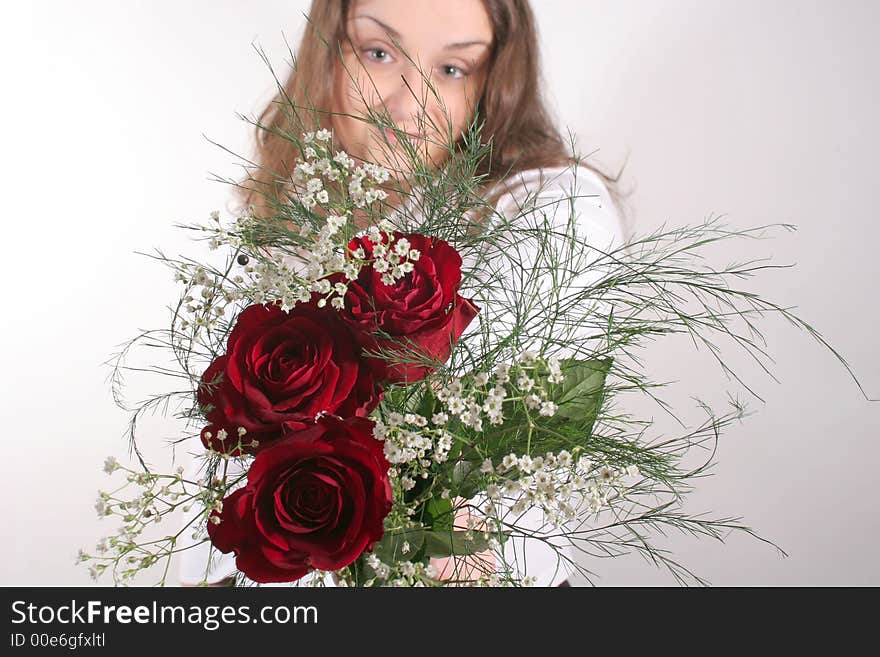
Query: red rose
{"x": 316, "y": 499}
{"x": 421, "y": 313}
{"x": 279, "y": 371}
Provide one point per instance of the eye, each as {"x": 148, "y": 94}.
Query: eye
{"x": 376, "y": 54}
{"x": 453, "y": 72}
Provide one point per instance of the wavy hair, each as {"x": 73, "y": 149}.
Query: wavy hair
{"x": 512, "y": 110}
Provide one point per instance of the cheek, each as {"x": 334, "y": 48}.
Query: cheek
{"x": 471, "y": 97}
{"x": 359, "y": 88}
{"x": 345, "y": 96}
{"x": 345, "y": 102}
{"x": 459, "y": 109}
{"x": 348, "y": 135}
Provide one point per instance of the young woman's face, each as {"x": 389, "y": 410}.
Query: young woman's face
{"x": 447, "y": 42}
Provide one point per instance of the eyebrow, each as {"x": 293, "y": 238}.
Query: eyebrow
{"x": 450, "y": 46}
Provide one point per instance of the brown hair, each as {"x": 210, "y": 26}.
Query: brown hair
{"x": 512, "y": 109}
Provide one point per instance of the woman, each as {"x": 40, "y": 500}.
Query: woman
{"x": 432, "y": 69}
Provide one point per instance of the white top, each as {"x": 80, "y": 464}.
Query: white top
{"x": 599, "y": 224}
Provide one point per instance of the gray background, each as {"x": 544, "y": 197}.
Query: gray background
{"x": 763, "y": 111}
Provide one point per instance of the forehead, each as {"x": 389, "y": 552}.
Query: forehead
{"x": 423, "y": 24}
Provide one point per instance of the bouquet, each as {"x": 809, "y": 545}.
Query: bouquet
{"x": 427, "y": 394}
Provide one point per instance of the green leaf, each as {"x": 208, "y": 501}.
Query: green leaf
{"x": 431, "y": 543}
{"x": 439, "y": 511}
{"x": 579, "y": 398}
{"x": 427, "y": 403}
{"x": 391, "y": 547}
{"x": 466, "y": 478}
{"x": 445, "y": 543}
{"x": 582, "y": 390}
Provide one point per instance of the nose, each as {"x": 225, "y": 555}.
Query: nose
{"x": 410, "y": 100}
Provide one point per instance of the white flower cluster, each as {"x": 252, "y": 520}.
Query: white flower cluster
{"x": 495, "y": 580}
{"x": 206, "y": 299}
{"x": 393, "y": 260}
{"x": 238, "y": 442}
{"x": 274, "y": 281}
{"x": 403, "y": 573}
{"x": 418, "y": 441}
{"x": 221, "y": 235}
{"x": 326, "y": 254}
{"x": 512, "y": 383}
{"x": 555, "y": 482}
{"x": 419, "y": 445}
{"x": 323, "y": 249}
{"x": 157, "y": 496}
{"x": 269, "y": 281}
{"x": 321, "y": 165}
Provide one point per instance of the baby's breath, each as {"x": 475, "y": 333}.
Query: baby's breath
{"x": 150, "y": 498}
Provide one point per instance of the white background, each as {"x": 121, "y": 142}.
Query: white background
{"x": 764, "y": 111}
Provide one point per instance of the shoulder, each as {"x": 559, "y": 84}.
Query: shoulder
{"x": 563, "y": 190}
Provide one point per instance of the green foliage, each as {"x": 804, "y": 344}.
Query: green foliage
{"x": 525, "y": 431}
{"x": 582, "y": 392}
{"x": 422, "y": 543}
